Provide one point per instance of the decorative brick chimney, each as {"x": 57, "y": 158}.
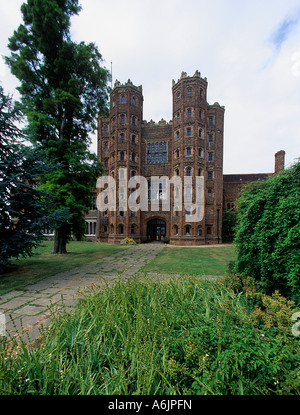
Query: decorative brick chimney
{"x": 279, "y": 161}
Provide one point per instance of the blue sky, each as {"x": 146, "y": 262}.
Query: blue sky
{"x": 249, "y": 51}
{"x": 282, "y": 33}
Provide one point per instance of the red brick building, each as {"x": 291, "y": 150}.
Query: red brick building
{"x": 190, "y": 145}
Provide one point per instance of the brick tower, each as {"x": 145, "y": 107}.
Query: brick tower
{"x": 119, "y": 149}
{"x": 197, "y": 150}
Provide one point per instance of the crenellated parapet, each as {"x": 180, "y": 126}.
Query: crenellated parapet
{"x": 160, "y": 123}
{"x": 184, "y": 75}
{"x": 118, "y": 84}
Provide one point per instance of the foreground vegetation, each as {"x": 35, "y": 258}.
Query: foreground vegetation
{"x": 43, "y": 264}
{"x": 181, "y": 336}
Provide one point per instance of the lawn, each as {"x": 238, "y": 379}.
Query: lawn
{"x": 204, "y": 260}
{"x": 188, "y": 260}
{"x": 44, "y": 264}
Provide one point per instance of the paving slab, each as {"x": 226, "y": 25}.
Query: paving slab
{"x": 27, "y": 310}
{"x": 14, "y": 303}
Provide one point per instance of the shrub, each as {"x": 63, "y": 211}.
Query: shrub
{"x": 184, "y": 336}
{"x": 268, "y": 233}
{"x": 128, "y": 241}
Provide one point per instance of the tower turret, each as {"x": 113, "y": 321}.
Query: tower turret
{"x": 119, "y": 148}
{"x": 197, "y": 151}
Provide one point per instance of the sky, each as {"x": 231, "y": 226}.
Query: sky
{"x": 249, "y": 50}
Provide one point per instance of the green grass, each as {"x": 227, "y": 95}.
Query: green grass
{"x": 44, "y": 264}
{"x": 193, "y": 261}
{"x": 181, "y": 336}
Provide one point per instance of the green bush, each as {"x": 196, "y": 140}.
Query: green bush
{"x": 268, "y": 232}
{"x": 184, "y": 336}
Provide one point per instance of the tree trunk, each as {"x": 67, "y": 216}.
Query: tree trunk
{"x": 60, "y": 241}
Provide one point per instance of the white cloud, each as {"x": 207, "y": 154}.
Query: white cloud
{"x": 247, "y": 50}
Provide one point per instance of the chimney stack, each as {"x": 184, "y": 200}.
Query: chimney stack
{"x": 279, "y": 161}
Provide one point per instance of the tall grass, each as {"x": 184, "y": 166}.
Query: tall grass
{"x": 181, "y": 336}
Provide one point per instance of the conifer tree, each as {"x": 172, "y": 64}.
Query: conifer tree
{"x": 63, "y": 89}
{"x": 23, "y": 208}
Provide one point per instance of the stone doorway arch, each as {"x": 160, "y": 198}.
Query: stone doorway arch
{"x": 156, "y": 230}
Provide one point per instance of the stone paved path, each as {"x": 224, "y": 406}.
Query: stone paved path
{"x": 25, "y": 311}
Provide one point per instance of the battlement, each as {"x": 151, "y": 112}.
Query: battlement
{"x": 161, "y": 123}
{"x": 197, "y": 74}
{"x": 128, "y": 83}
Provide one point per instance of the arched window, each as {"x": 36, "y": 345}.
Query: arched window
{"x": 133, "y": 101}
{"x": 188, "y": 230}
{"x": 122, "y": 156}
{"x": 199, "y": 231}
{"x": 175, "y": 230}
{"x": 188, "y": 193}
{"x": 122, "y": 99}
{"x": 121, "y": 229}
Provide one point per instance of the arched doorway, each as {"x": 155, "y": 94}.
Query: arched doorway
{"x": 156, "y": 230}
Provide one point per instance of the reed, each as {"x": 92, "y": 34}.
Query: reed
{"x": 182, "y": 335}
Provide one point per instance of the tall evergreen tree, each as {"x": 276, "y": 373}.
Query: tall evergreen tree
{"x": 63, "y": 89}
{"x": 23, "y": 208}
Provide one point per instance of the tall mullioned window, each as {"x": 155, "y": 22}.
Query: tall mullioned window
{"x": 157, "y": 152}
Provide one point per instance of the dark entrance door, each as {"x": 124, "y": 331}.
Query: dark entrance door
{"x": 156, "y": 230}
